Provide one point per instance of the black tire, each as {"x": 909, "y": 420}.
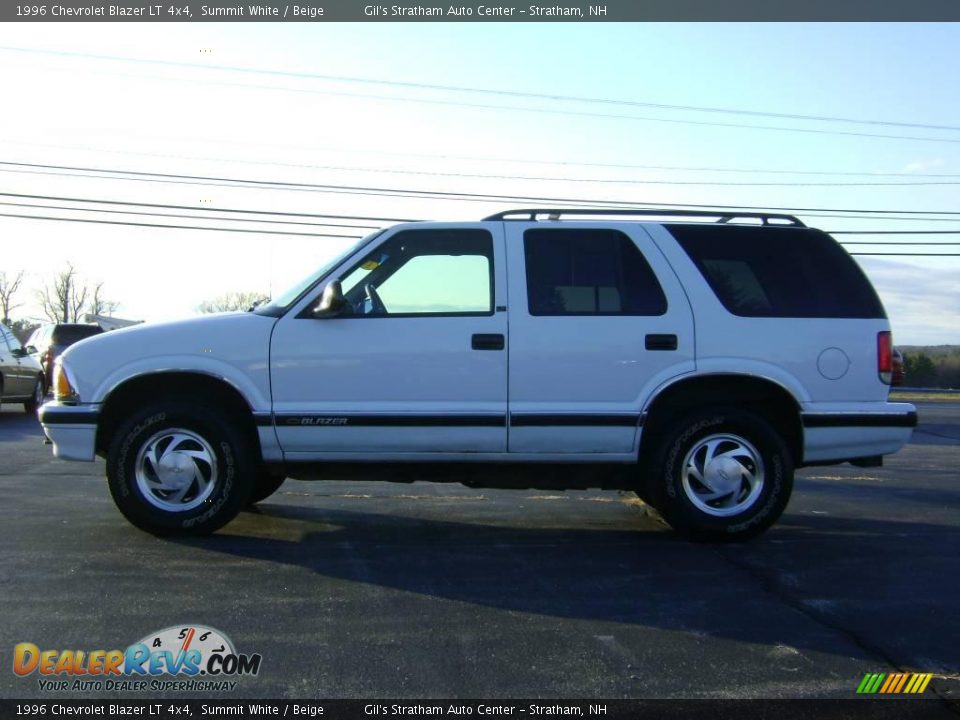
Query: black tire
{"x": 266, "y": 484}
{"x": 688, "y": 508}
{"x": 230, "y": 479}
{"x": 36, "y": 398}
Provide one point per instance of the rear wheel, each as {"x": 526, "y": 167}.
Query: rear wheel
{"x": 178, "y": 468}
{"x": 36, "y": 397}
{"x": 721, "y": 475}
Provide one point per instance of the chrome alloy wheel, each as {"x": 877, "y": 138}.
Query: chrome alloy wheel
{"x": 176, "y": 470}
{"x": 722, "y": 475}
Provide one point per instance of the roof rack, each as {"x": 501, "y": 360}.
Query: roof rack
{"x": 722, "y": 216}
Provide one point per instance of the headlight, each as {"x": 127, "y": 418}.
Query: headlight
{"x": 64, "y": 389}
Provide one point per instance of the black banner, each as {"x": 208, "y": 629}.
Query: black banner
{"x": 485, "y": 709}
{"x": 492, "y": 11}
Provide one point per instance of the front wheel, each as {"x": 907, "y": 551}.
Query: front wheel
{"x": 722, "y": 475}
{"x": 179, "y": 468}
{"x": 266, "y": 484}
{"x": 36, "y": 397}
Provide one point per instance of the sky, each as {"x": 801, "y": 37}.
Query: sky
{"x": 397, "y": 107}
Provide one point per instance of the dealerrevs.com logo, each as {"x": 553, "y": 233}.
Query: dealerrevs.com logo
{"x": 188, "y": 658}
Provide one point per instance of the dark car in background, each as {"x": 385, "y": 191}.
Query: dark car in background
{"x": 52, "y": 339}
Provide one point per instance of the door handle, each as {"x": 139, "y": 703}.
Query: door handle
{"x": 483, "y": 341}
{"x": 660, "y": 342}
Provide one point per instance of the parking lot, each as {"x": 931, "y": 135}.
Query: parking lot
{"x": 366, "y": 590}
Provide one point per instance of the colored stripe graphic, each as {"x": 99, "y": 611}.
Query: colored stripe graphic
{"x": 891, "y": 681}
{"x": 926, "y": 681}
{"x": 913, "y": 683}
{"x": 903, "y": 681}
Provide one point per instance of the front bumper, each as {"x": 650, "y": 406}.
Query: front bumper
{"x": 847, "y": 431}
{"x": 72, "y": 429}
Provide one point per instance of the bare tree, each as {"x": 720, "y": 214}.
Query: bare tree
{"x": 233, "y": 301}
{"x": 8, "y": 288}
{"x": 64, "y": 299}
{"x": 98, "y": 304}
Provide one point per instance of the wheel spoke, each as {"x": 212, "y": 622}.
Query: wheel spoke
{"x": 177, "y": 496}
{"x": 711, "y": 446}
{"x": 736, "y": 452}
{"x": 197, "y": 455}
{"x": 694, "y": 471}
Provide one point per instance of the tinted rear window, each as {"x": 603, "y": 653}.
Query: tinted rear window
{"x": 69, "y": 334}
{"x": 779, "y": 272}
{"x": 572, "y": 271}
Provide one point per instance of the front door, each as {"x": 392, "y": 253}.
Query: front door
{"x": 416, "y": 364}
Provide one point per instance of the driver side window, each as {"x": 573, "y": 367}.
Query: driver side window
{"x": 424, "y": 272}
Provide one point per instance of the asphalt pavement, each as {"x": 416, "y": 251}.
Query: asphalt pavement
{"x": 367, "y": 590}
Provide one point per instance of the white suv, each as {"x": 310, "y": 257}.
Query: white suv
{"x": 694, "y": 362}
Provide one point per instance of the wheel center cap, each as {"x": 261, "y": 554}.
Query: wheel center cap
{"x": 723, "y": 474}
{"x": 176, "y": 469}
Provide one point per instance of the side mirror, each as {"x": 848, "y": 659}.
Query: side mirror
{"x": 332, "y": 301}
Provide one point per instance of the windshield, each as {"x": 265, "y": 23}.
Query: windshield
{"x": 284, "y": 300}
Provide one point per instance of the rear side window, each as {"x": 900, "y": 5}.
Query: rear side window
{"x": 69, "y": 334}
{"x": 779, "y": 272}
{"x": 589, "y": 272}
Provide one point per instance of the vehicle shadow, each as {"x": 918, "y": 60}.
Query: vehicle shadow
{"x": 792, "y": 588}
{"x": 15, "y": 424}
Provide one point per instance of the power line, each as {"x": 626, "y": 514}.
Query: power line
{"x": 623, "y": 204}
{"x": 194, "y": 217}
{"x": 355, "y": 237}
{"x": 592, "y": 180}
{"x": 604, "y": 116}
{"x": 205, "y": 209}
{"x": 477, "y": 158}
{"x": 177, "y": 227}
{"x": 200, "y": 208}
{"x": 362, "y": 190}
{"x": 489, "y": 91}
{"x": 580, "y": 113}
{"x": 68, "y": 208}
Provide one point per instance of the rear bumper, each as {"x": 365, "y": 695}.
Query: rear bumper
{"x": 72, "y": 429}
{"x": 838, "y": 432}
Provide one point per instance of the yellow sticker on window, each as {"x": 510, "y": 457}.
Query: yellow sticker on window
{"x": 370, "y": 265}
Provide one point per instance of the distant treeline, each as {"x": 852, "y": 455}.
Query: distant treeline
{"x": 931, "y": 366}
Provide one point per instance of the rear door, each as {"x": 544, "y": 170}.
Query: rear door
{"x": 418, "y": 365}
{"x": 597, "y": 320}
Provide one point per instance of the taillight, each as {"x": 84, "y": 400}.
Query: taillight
{"x": 885, "y": 356}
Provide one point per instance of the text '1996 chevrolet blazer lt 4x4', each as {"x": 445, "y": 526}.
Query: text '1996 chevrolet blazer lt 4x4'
{"x": 695, "y": 358}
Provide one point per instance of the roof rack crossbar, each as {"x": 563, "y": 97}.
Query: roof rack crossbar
{"x": 722, "y": 216}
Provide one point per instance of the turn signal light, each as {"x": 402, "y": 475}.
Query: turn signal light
{"x": 63, "y": 389}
